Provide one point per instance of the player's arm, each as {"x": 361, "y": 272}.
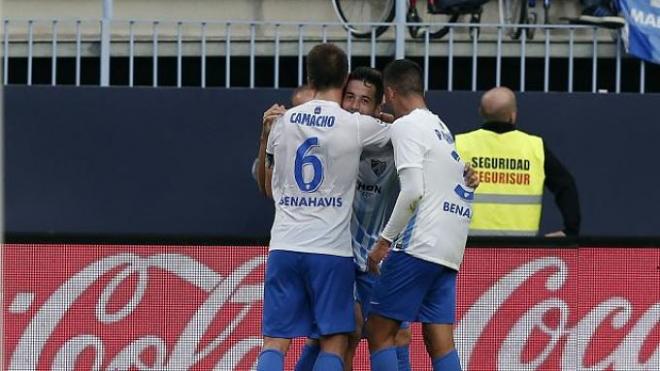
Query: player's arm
{"x": 408, "y": 156}
{"x": 372, "y": 133}
{"x": 268, "y": 119}
{"x": 268, "y": 175}
{"x": 270, "y": 155}
{"x": 470, "y": 176}
{"x": 261, "y": 160}
{"x": 412, "y": 189}
{"x": 385, "y": 117}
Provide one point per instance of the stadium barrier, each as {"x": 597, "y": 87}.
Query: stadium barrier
{"x": 557, "y": 44}
{"x": 120, "y": 307}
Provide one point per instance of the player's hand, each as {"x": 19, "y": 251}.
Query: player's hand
{"x": 385, "y": 117}
{"x": 377, "y": 254}
{"x": 470, "y": 176}
{"x": 271, "y": 114}
{"x": 556, "y": 234}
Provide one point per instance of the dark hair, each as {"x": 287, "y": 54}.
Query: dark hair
{"x": 369, "y": 76}
{"x": 327, "y": 67}
{"x": 404, "y": 76}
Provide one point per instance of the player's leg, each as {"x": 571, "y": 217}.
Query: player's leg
{"x": 439, "y": 340}
{"x": 310, "y": 352}
{"x": 397, "y": 296}
{"x": 272, "y": 354}
{"x": 382, "y": 332}
{"x": 333, "y": 350}
{"x": 402, "y": 342}
{"x": 354, "y": 338}
{"x": 287, "y": 312}
{"x": 438, "y": 314}
{"x": 330, "y": 283}
{"x": 364, "y": 285}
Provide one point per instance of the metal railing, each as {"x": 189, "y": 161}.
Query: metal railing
{"x": 131, "y": 39}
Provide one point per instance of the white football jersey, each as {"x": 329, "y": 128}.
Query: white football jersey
{"x": 375, "y": 195}
{"x": 316, "y": 151}
{"x": 437, "y": 231}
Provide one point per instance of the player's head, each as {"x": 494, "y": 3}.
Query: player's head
{"x": 499, "y": 105}
{"x": 402, "y": 79}
{"x": 327, "y": 67}
{"x": 302, "y": 94}
{"x": 364, "y": 91}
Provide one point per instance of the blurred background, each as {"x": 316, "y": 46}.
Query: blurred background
{"x": 127, "y": 160}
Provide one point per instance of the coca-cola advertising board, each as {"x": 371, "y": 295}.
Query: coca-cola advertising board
{"x": 128, "y": 307}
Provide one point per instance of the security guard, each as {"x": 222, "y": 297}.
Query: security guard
{"x": 513, "y": 168}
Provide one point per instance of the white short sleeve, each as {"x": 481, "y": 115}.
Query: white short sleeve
{"x": 274, "y": 136}
{"x": 372, "y": 132}
{"x": 409, "y": 148}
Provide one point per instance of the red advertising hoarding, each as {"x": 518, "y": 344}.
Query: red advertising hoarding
{"x": 127, "y": 307}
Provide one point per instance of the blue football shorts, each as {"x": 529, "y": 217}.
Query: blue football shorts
{"x": 305, "y": 293}
{"x": 415, "y": 290}
{"x": 364, "y": 288}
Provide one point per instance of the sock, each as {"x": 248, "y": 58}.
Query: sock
{"x": 307, "y": 358}
{"x": 270, "y": 360}
{"x": 384, "y": 360}
{"x": 328, "y": 362}
{"x": 403, "y": 356}
{"x": 448, "y": 362}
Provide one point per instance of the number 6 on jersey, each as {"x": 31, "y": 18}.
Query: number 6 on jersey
{"x": 303, "y": 160}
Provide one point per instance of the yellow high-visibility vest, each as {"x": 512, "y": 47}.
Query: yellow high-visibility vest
{"x": 511, "y": 170}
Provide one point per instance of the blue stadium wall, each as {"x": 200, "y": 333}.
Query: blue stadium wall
{"x": 172, "y": 162}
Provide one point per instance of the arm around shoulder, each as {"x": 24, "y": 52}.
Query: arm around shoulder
{"x": 372, "y": 133}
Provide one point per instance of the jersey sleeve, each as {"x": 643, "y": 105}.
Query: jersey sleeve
{"x": 412, "y": 190}
{"x": 372, "y": 132}
{"x": 274, "y": 136}
{"x": 409, "y": 148}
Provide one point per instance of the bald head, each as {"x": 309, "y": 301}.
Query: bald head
{"x": 499, "y": 104}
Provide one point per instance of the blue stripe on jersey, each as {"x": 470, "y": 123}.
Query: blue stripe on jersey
{"x": 407, "y": 233}
{"x": 365, "y": 238}
{"x": 360, "y": 212}
{"x": 373, "y": 204}
{"x": 359, "y": 218}
{"x": 370, "y": 221}
{"x": 464, "y": 193}
{"x": 372, "y": 229}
